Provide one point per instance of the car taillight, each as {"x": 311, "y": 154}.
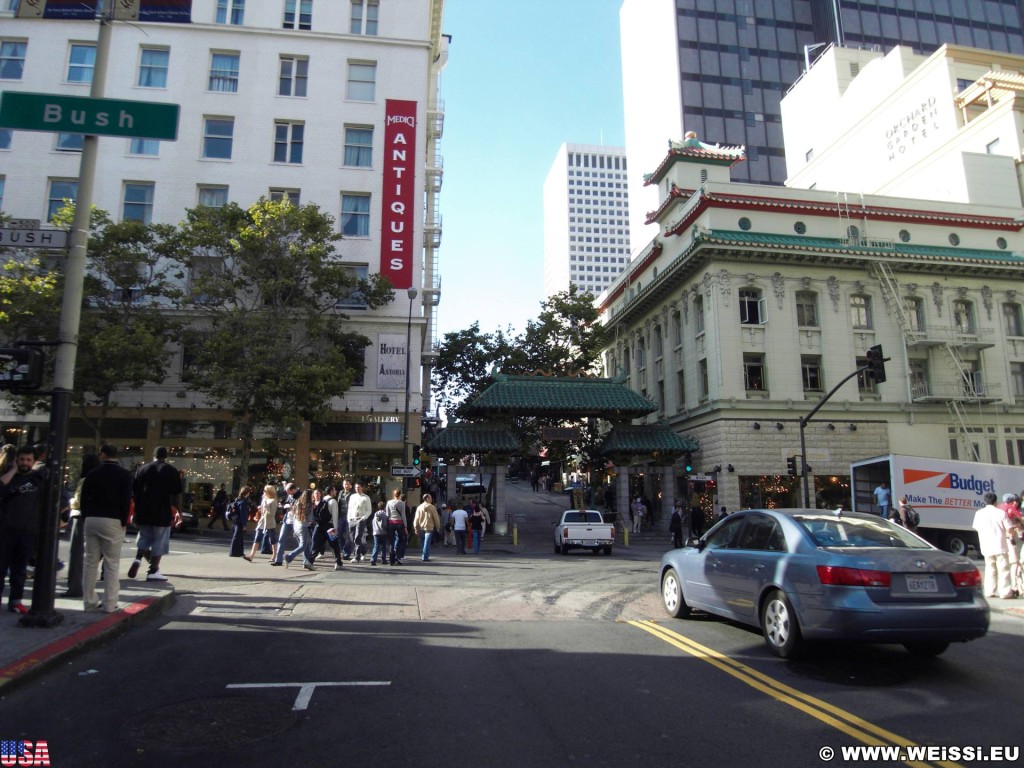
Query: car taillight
{"x": 970, "y": 578}
{"x": 565, "y": 533}
{"x": 838, "y": 576}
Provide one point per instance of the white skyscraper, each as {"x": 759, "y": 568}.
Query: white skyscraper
{"x": 586, "y": 209}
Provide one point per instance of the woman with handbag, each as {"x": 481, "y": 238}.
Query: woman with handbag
{"x": 266, "y": 523}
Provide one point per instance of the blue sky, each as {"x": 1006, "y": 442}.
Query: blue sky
{"x": 522, "y": 78}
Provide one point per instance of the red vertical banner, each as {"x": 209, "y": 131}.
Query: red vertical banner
{"x": 398, "y": 199}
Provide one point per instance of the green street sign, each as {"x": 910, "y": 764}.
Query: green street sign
{"x": 99, "y": 117}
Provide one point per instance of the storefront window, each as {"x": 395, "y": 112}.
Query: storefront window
{"x": 769, "y": 492}
{"x": 831, "y": 491}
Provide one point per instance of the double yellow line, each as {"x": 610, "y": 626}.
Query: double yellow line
{"x": 840, "y": 719}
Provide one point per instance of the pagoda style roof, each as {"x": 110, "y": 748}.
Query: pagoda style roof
{"x": 564, "y": 396}
{"x": 647, "y": 438}
{"x": 691, "y": 149}
{"x": 473, "y": 438}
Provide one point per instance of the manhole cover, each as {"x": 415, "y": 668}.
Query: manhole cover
{"x": 195, "y": 726}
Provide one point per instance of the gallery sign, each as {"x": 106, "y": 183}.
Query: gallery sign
{"x": 391, "y": 357}
{"x": 398, "y": 219}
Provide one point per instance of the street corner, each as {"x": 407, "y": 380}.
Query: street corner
{"x": 29, "y": 651}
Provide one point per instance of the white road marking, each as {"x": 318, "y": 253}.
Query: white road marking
{"x": 306, "y": 689}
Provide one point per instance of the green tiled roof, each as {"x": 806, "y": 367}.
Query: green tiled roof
{"x": 646, "y": 438}
{"x": 473, "y": 438}
{"x": 561, "y": 396}
{"x": 866, "y": 246}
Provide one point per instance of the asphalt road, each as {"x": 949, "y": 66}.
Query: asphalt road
{"x": 525, "y": 659}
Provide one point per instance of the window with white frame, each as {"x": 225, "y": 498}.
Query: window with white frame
{"x": 153, "y": 65}
{"x": 298, "y": 14}
{"x": 698, "y": 313}
{"x": 69, "y": 142}
{"x": 61, "y": 191}
{"x": 293, "y": 77}
{"x": 963, "y": 316}
{"x": 212, "y": 195}
{"x": 753, "y": 372}
{"x": 355, "y": 299}
{"x": 146, "y": 147}
{"x": 12, "y": 59}
{"x": 224, "y": 72}
{"x": 362, "y": 81}
{"x": 81, "y": 62}
{"x": 358, "y": 146}
{"x": 355, "y": 215}
{"x": 364, "y": 17}
{"x": 914, "y": 308}
{"x": 677, "y": 329}
{"x": 810, "y": 369}
{"x": 702, "y": 373}
{"x": 288, "y": 138}
{"x": 860, "y": 312}
{"x": 293, "y": 196}
{"x": 5, "y": 138}
{"x": 1012, "y": 321}
{"x": 918, "y": 378}
{"x": 641, "y": 354}
{"x": 231, "y": 12}
{"x": 1016, "y": 376}
{"x": 138, "y": 201}
{"x": 807, "y": 309}
{"x": 627, "y": 367}
{"x": 218, "y": 135}
{"x": 752, "y": 307}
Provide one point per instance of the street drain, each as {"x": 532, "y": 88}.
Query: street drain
{"x": 243, "y": 610}
{"x": 195, "y": 726}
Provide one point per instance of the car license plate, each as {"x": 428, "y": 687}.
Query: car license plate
{"x": 922, "y": 584}
{"x": 582, "y": 542}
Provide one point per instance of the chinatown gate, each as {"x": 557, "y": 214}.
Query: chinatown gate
{"x": 631, "y": 448}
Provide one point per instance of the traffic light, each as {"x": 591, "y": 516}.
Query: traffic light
{"x": 876, "y": 363}
{"x": 791, "y": 465}
{"x": 688, "y": 466}
{"x": 415, "y": 455}
{"x": 21, "y": 368}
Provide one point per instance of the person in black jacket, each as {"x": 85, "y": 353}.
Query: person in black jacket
{"x": 156, "y": 489}
{"x": 323, "y": 525}
{"x": 21, "y": 489}
{"x": 104, "y": 503}
{"x": 238, "y": 513}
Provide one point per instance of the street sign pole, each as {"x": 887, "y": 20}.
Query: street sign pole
{"x": 43, "y": 612}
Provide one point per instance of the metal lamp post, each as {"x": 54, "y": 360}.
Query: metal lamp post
{"x": 408, "y": 355}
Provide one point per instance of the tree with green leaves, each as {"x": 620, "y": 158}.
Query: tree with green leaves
{"x": 266, "y": 339}
{"x": 126, "y": 325}
{"x": 462, "y": 369}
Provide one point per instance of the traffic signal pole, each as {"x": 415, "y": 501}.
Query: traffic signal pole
{"x": 873, "y": 365}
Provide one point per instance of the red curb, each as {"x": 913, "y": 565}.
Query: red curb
{"x": 41, "y": 658}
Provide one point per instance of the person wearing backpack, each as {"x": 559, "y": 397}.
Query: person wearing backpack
{"x": 907, "y": 516}
{"x": 323, "y": 527}
{"x": 238, "y": 514}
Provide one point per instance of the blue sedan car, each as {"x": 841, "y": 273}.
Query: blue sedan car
{"x": 808, "y": 574}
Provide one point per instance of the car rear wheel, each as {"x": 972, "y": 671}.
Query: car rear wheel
{"x": 565, "y": 549}
{"x": 558, "y": 550}
{"x": 607, "y": 550}
{"x": 780, "y": 627}
{"x": 672, "y": 595}
{"x": 926, "y": 649}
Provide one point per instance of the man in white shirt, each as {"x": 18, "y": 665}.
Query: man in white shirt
{"x": 360, "y": 507}
{"x": 991, "y": 524}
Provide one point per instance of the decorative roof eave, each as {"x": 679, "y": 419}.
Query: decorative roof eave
{"x": 625, "y": 440}
{"x": 655, "y": 251}
{"x": 561, "y": 396}
{"x": 859, "y": 212}
{"x": 676, "y": 193}
{"x": 693, "y": 150}
{"x": 473, "y": 438}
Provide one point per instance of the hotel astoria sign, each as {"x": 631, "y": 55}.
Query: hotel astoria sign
{"x": 391, "y": 358}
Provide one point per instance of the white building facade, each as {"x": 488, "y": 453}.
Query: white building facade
{"x": 586, "y": 227}
{"x": 280, "y": 99}
{"x": 754, "y": 301}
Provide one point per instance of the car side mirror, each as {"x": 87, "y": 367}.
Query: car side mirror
{"x": 693, "y": 541}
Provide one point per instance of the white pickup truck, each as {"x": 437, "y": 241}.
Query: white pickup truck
{"x": 583, "y": 529}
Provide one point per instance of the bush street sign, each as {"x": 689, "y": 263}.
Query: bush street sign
{"x": 34, "y": 238}
{"x": 99, "y": 117}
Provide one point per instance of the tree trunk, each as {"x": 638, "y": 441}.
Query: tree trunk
{"x": 245, "y": 428}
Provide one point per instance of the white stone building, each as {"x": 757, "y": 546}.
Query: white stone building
{"x": 586, "y": 208}
{"x": 278, "y": 98}
{"x": 754, "y": 301}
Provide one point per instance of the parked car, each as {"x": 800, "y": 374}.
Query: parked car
{"x": 461, "y": 480}
{"x": 472, "y": 489}
{"x": 805, "y": 574}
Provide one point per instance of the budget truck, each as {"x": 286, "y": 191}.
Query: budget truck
{"x": 944, "y": 492}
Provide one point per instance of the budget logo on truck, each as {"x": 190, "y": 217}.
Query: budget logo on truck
{"x": 951, "y": 480}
